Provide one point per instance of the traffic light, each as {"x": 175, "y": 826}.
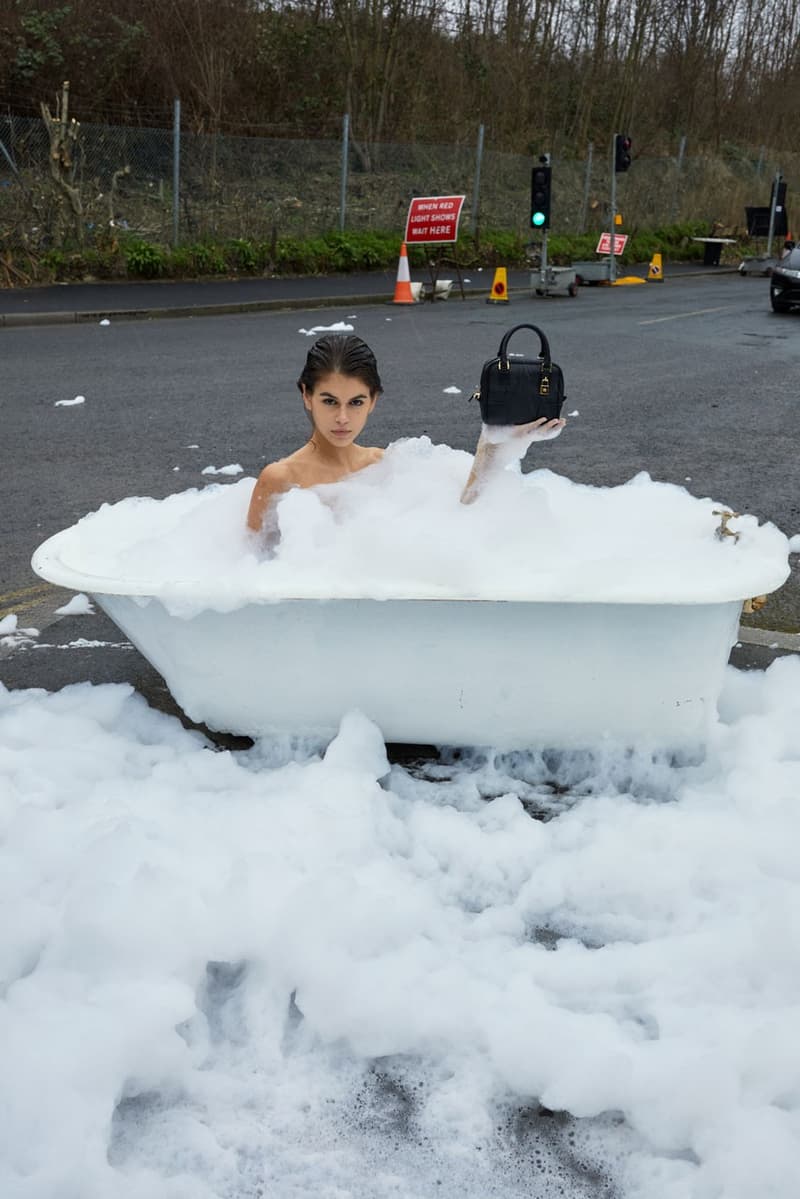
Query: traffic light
{"x": 622, "y": 152}
{"x": 540, "y": 196}
{"x": 780, "y": 198}
{"x": 781, "y": 226}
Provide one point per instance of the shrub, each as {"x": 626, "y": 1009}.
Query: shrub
{"x": 293, "y": 256}
{"x": 144, "y": 259}
{"x": 353, "y": 251}
{"x": 181, "y": 262}
{"x": 242, "y": 255}
{"x": 209, "y": 258}
{"x": 55, "y": 263}
{"x": 103, "y": 263}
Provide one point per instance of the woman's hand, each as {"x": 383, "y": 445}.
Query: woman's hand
{"x": 536, "y": 430}
{"x": 541, "y": 429}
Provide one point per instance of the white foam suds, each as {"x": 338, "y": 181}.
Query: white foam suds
{"x": 397, "y": 530}
{"x": 12, "y": 635}
{"x": 337, "y": 327}
{"x": 227, "y": 975}
{"x": 233, "y": 468}
{"x": 79, "y": 605}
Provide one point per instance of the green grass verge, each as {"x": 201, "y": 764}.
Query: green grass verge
{"x": 336, "y": 253}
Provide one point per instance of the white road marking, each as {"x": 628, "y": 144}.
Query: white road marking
{"x": 680, "y": 315}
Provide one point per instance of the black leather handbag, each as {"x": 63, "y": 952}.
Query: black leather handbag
{"x": 516, "y": 390}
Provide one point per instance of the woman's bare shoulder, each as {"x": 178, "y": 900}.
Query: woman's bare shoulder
{"x": 375, "y": 453}
{"x": 276, "y": 473}
{"x": 274, "y": 479}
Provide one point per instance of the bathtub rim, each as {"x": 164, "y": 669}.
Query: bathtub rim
{"x": 48, "y": 564}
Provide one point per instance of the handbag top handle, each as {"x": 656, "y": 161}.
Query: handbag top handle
{"x": 544, "y": 348}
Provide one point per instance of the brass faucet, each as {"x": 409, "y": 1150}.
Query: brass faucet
{"x": 725, "y": 515}
{"x": 758, "y": 601}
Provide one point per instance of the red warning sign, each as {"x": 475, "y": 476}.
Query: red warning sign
{"x": 604, "y": 244}
{"x": 433, "y": 218}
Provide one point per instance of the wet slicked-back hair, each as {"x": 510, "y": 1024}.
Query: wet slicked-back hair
{"x": 341, "y": 354}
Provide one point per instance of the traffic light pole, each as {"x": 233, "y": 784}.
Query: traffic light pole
{"x": 773, "y": 205}
{"x": 612, "y": 267}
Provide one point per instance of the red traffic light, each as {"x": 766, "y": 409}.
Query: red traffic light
{"x": 622, "y": 152}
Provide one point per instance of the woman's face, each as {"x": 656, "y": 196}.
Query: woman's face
{"x": 339, "y": 407}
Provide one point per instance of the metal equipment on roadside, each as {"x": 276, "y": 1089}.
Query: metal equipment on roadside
{"x": 767, "y": 222}
{"x": 594, "y": 272}
{"x": 547, "y": 280}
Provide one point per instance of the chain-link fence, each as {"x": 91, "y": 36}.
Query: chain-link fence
{"x": 264, "y": 188}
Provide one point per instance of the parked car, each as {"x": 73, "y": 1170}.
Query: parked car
{"x": 784, "y": 282}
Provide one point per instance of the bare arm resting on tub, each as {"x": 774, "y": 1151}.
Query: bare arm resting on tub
{"x": 500, "y": 445}
{"x": 273, "y": 480}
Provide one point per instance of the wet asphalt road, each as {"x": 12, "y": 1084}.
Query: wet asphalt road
{"x": 694, "y": 381}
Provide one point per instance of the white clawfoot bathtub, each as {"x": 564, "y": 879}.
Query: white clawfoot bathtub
{"x": 509, "y": 674}
{"x": 446, "y": 624}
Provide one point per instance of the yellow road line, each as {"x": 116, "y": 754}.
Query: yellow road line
{"x": 23, "y": 591}
{"x": 24, "y": 599}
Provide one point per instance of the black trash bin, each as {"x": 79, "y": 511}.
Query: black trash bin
{"x": 712, "y": 252}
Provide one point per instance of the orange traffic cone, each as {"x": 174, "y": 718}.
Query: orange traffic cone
{"x": 499, "y": 292}
{"x": 402, "y": 288}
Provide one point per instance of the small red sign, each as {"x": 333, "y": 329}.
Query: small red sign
{"x": 604, "y": 244}
{"x": 433, "y": 218}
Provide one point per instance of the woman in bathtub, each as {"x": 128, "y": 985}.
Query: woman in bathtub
{"x": 340, "y": 386}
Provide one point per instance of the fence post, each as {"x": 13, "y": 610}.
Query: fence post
{"x": 476, "y": 186}
{"x": 8, "y": 158}
{"x": 681, "y": 152}
{"x": 773, "y": 204}
{"x": 587, "y": 183}
{"x": 176, "y": 168}
{"x": 679, "y": 172}
{"x": 343, "y": 185}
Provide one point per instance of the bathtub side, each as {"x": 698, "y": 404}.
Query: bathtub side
{"x": 445, "y": 672}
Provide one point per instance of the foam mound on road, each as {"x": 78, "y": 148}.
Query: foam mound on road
{"x": 294, "y": 971}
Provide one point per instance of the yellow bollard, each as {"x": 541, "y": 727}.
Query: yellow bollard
{"x": 655, "y": 273}
{"x": 499, "y": 292}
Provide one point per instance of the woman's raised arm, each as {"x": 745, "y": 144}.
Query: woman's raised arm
{"x": 500, "y": 445}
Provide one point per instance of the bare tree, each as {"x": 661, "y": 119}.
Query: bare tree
{"x": 63, "y": 134}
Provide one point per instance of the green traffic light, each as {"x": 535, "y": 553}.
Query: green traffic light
{"x": 537, "y": 218}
